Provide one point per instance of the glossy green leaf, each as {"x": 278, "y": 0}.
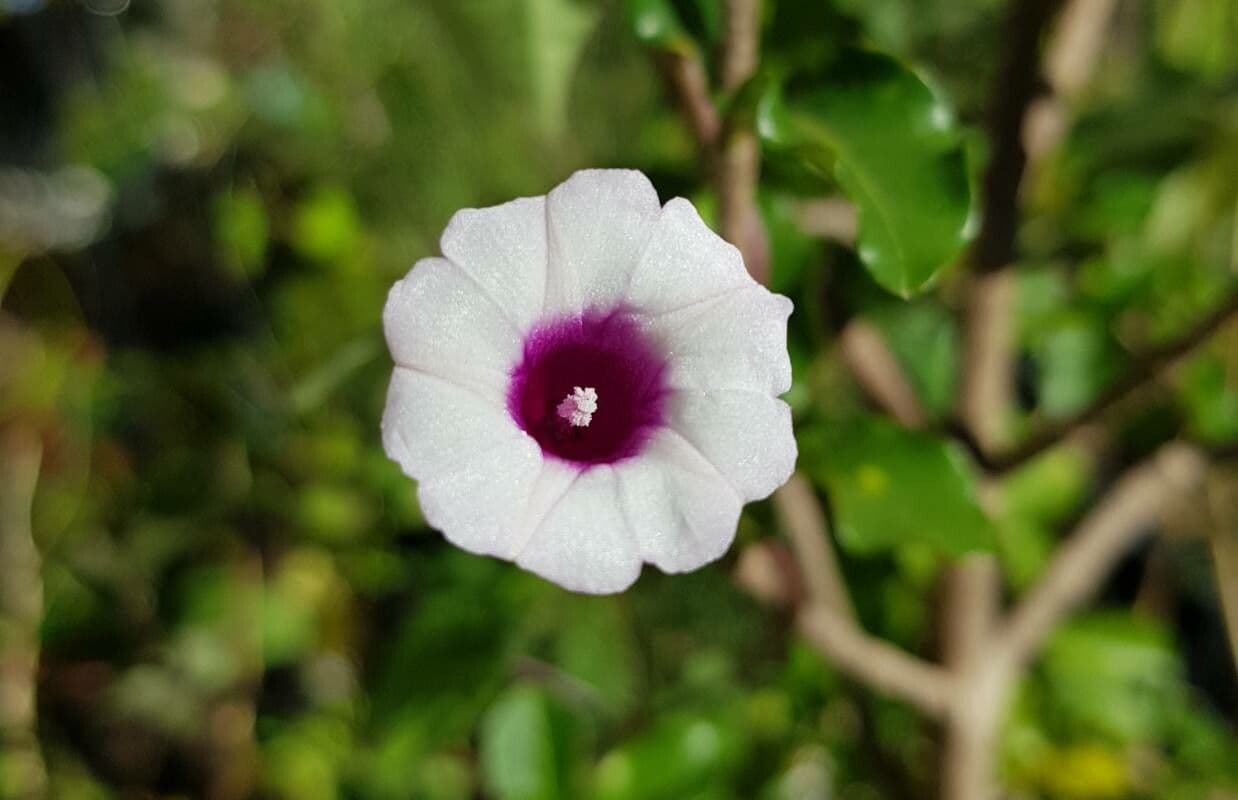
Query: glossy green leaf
{"x": 890, "y": 486}
{"x": 891, "y": 144}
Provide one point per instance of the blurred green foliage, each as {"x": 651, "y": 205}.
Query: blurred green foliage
{"x": 241, "y": 598}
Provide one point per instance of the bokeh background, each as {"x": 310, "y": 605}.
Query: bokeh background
{"x": 226, "y": 586}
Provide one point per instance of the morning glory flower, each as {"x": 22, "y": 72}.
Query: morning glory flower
{"x": 588, "y": 381}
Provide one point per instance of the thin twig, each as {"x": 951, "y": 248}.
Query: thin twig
{"x": 827, "y": 622}
{"x": 988, "y": 385}
{"x": 685, "y": 76}
{"x": 988, "y": 370}
{"x": 1076, "y": 572}
{"x": 833, "y": 217}
{"x": 878, "y": 372}
{"x": 874, "y": 662}
{"x": 1106, "y": 534}
{"x": 741, "y": 42}
{"x": 1015, "y": 86}
{"x": 738, "y": 168}
{"x": 1077, "y": 43}
{"x": 1145, "y": 368}
{"x": 828, "y": 619}
{"x": 802, "y": 518}
{"x": 1070, "y": 60}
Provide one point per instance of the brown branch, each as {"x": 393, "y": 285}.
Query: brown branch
{"x": 833, "y": 217}
{"x": 828, "y": 619}
{"x": 1146, "y": 367}
{"x": 876, "y": 663}
{"x": 1076, "y": 572}
{"x": 741, "y": 42}
{"x": 732, "y": 156}
{"x": 22, "y": 772}
{"x": 1070, "y": 59}
{"x": 969, "y": 609}
{"x": 739, "y": 158}
{"x": 1106, "y": 534}
{"x": 878, "y": 372}
{"x": 988, "y": 373}
{"x": 988, "y": 369}
{"x": 867, "y": 659}
{"x": 685, "y": 77}
{"x": 987, "y": 390}
{"x": 803, "y": 520}
{"x": 1076, "y": 46}
{"x": 1015, "y": 86}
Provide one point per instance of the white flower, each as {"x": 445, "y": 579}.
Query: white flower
{"x": 587, "y": 381}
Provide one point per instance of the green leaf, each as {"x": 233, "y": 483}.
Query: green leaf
{"x": 890, "y": 486}
{"x": 1209, "y": 397}
{"x": 558, "y": 30}
{"x": 1198, "y": 35}
{"x": 926, "y": 343}
{"x": 1048, "y": 489}
{"x": 1074, "y": 356}
{"x": 522, "y": 757}
{"x": 596, "y": 645}
{"x": 683, "y": 755}
{"x": 1113, "y": 675}
{"x": 891, "y": 144}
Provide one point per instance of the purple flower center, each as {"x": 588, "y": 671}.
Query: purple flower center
{"x": 590, "y": 388}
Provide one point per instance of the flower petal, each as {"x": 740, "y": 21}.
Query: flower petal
{"x": 503, "y": 249}
{"x": 746, "y": 435}
{"x": 598, "y": 222}
{"x": 583, "y": 542}
{"x": 736, "y": 341}
{"x": 476, "y": 468}
{"x": 438, "y": 321}
{"x": 684, "y": 262}
{"x": 682, "y": 512}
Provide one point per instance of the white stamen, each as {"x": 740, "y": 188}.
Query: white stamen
{"x": 579, "y": 407}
